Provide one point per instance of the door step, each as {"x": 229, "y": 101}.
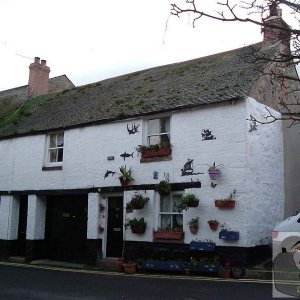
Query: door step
{"x": 110, "y": 264}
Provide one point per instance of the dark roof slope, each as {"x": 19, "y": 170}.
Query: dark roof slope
{"x": 216, "y": 78}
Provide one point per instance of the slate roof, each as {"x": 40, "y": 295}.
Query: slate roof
{"x": 217, "y": 78}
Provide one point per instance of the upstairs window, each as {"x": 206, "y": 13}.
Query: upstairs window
{"x": 159, "y": 132}
{"x": 169, "y": 217}
{"x": 56, "y": 147}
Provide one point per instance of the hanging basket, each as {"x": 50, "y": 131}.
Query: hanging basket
{"x": 138, "y": 229}
{"x": 214, "y": 174}
{"x": 194, "y": 229}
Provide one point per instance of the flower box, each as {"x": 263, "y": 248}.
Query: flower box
{"x": 157, "y": 153}
{"x": 225, "y": 203}
{"x": 205, "y": 268}
{"x": 168, "y": 235}
{"x": 202, "y": 246}
{"x": 164, "y": 265}
{"x": 228, "y": 235}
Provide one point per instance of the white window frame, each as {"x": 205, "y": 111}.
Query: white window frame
{"x": 148, "y": 135}
{"x": 48, "y": 149}
{"x": 160, "y": 213}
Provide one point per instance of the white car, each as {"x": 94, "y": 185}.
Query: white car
{"x": 286, "y": 258}
{"x": 286, "y": 236}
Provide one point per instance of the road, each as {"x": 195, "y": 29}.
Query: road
{"x": 26, "y": 282}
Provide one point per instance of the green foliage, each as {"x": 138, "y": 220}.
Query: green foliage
{"x": 137, "y": 202}
{"x": 134, "y": 222}
{"x": 187, "y": 201}
{"x": 193, "y": 222}
{"x": 125, "y": 173}
{"x": 163, "y": 187}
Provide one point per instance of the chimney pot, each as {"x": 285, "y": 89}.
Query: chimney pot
{"x": 37, "y": 60}
{"x": 43, "y": 62}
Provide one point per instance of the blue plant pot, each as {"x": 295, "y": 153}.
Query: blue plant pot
{"x": 202, "y": 246}
{"x": 164, "y": 265}
{"x": 229, "y": 235}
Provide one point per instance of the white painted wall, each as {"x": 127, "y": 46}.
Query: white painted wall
{"x": 241, "y": 155}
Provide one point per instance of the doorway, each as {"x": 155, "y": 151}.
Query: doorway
{"x": 19, "y": 246}
{"x": 66, "y": 228}
{"x": 114, "y": 242}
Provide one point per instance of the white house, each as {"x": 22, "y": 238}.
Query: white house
{"x": 61, "y": 153}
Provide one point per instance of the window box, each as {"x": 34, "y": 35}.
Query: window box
{"x": 228, "y": 235}
{"x": 205, "y": 268}
{"x": 202, "y": 246}
{"x": 157, "y": 153}
{"x": 168, "y": 235}
{"x": 224, "y": 203}
{"x": 164, "y": 265}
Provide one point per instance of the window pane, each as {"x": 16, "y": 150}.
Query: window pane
{"x": 155, "y": 139}
{"x": 60, "y": 154}
{"x": 52, "y": 141}
{"x": 153, "y": 126}
{"x": 60, "y": 140}
{"x": 164, "y": 125}
{"x": 177, "y": 222}
{"x": 165, "y": 221}
{"x": 176, "y": 201}
{"x": 53, "y": 155}
{"x": 165, "y": 204}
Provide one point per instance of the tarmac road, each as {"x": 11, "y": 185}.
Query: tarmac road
{"x": 26, "y": 282}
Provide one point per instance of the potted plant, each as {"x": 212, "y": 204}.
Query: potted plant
{"x": 137, "y": 201}
{"x": 214, "y": 171}
{"x": 202, "y": 245}
{"x": 227, "y": 234}
{"x": 228, "y": 202}
{"x": 129, "y": 267}
{"x": 213, "y": 224}
{"x": 136, "y": 225}
{"x": 187, "y": 201}
{"x": 125, "y": 175}
{"x": 168, "y": 234}
{"x": 155, "y": 150}
{"x": 163, "y": 187}
{"x": 194, "y": 225}
{"x": 204, "y": 265}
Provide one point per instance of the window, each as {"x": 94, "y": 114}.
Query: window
{"x": 159, "y": 131}
{"x": 56, "y": 147}
{"x": 169, "y": 217}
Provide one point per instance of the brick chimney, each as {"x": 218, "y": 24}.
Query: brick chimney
{"x": 38, "y": 78}
{"x": 275, "y": 28}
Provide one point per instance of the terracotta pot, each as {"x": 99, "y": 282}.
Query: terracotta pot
{"x": 213, "y": 225}
{"x": 123, "y": 182}
{"x": 194, "y": 229}
{"x": 129, "y": 268}
{"x": 120, "y": 263}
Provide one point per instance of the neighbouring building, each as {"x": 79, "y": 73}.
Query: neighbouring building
{"x": 62, "y": 152}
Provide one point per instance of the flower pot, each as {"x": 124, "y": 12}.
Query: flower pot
{"x": 202, "y": 246}
{"x": 138, "y": 229}
{"x": 228, "y": 235}
{"x": 157, "y": 153}
{"x": 213, "y": 225}
{"x": 120, "y": 263}
{"x": 194, "y": 229}
{"x": 225, "y": 203}
{"x": 168, "y": 235}
{"x": 214, "y": 174}
{"x": 124, "y": 182}
{"x": 129, "y": 268}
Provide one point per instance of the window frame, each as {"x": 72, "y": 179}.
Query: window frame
{"x": 148, "y": 135}
{"x": 57, "y": 147}
{"x": 171, "y": 212}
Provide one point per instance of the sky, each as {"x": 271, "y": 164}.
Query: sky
{"x": 92, "y": 40}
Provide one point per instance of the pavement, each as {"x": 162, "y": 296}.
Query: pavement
{"x": 261, "y": 271}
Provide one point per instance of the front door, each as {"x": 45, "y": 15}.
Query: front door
{"x": 18, "y": 248}
{"x": 114, "y": 244}
{"x": 66, "y": 227}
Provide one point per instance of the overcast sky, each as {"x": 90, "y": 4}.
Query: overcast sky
{"x": 93, "y": 40}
